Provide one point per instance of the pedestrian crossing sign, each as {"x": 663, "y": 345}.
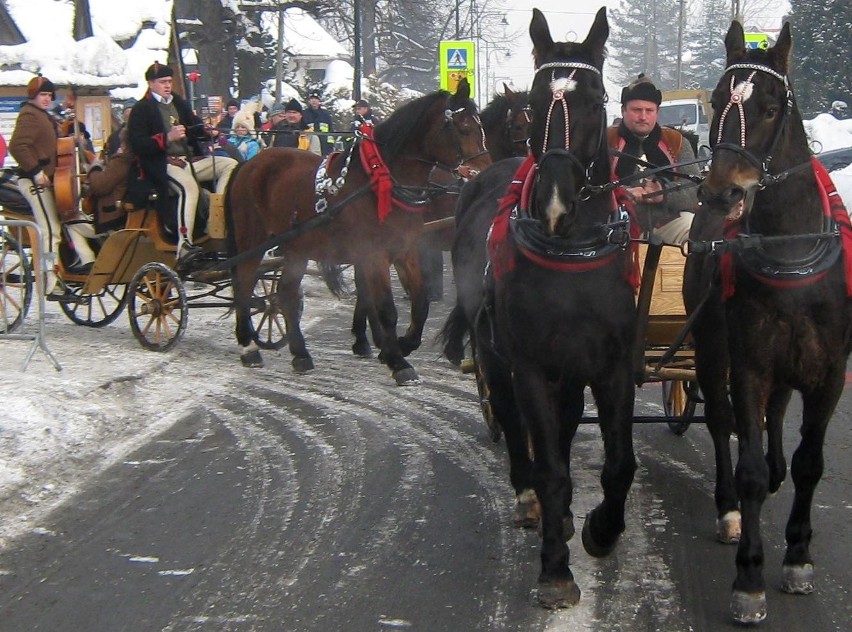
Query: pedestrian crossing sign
{"x": 457, "y": 59}
{"x": 757, "y": 40}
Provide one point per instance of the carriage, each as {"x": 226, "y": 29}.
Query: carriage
{"x": 133, "y": 270}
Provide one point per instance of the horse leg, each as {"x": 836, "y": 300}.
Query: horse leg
{"x": 806, "y": 470}
{"x": 614, "y": 400}
{"x": 380, "y": 297}
{"x": 290, "y": 295}
{"x": 527, "y": 512}
{"x": 748, "y": 597}
{"x": 556, "y": 585}
{"x": 410, "y": 276}
{"x": 243, "y": 280}
{"x": 775, "y": 410}
{"x": 361, "y": 347}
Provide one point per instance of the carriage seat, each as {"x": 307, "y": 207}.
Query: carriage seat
{"x": 164, "y": 235}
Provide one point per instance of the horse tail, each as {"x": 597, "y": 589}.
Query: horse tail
{"x": 452, "y": 335}
{"x": 332, "y": 275}
{"x": 229, "y": 213}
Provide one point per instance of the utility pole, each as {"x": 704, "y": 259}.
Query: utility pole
{"x": 680, "y": 18}
{"x": 279, "y": 57}
{"x": 356, "y": 14}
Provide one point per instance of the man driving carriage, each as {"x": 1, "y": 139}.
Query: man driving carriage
{"x": 34, "y": 147}
{"x": 663, "y": 203}
{"x": 166, "y": 139}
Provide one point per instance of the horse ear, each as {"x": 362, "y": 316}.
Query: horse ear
{"x": 598, "y": 34}
{"x": 735, "y": 42}
{"x": 463, "y": 90}
{"x": 540, "y": 36}
{"x": 783, "y": 49}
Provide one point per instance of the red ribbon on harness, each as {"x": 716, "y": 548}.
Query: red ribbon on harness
{"x": 502, "y": 250}
{"x": 832, "y": 206}
{"x": 380, "y": 175}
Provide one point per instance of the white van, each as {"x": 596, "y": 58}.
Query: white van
{"x": 689, "y": 114}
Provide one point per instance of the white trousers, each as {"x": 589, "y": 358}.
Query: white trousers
{"x": 185, "y": 184}
{"x": 43, "y": 204}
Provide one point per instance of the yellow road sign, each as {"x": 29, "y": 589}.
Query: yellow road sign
{"x": 457, "y": 59}
{"x": 757, "y": 40}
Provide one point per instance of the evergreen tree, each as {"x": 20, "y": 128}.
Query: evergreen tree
{"x": 822, "y": 50}
{"x": 706, "y": 45}
{"x": 645, "y": 34}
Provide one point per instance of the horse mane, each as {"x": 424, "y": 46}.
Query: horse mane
{"x": 406, "y": 122}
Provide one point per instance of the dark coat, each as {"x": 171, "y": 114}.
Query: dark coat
{"x": 33, "y": 143}
{"x": 147, "y": 140}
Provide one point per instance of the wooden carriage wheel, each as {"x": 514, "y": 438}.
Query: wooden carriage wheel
{"x": 98, "y": 309}
{"x": 678, "y": 404}
{"x": 16, "y": 283}
{"x": 268, "y": 327}
{"x": 157, "y": 307}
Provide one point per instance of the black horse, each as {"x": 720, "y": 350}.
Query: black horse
{"x": 557, "y": 312}
{"x": 769, "y": 278}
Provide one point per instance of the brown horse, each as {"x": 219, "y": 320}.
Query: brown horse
{"x": 506, "y": 122}
{"x": 358, "y": 215}
{"x": 768, "y": 280}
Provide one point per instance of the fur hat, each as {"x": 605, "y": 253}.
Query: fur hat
{"x": 40, "y": 84}
{"x": 641, "y": 90}
{"x": 314, "y": 95}
{"x": 293, "y": 106}
{"x": 158, "y": 71}
{"x": 243, "y": 119}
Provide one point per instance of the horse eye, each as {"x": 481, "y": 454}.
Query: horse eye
{"x": 771, "y": 112}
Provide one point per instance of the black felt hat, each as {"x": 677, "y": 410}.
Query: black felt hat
{"x": 158, "y": 71}
{"x": 361, "y": 104}
{"x": 293, "y": 106}
{"x": 641, "y": 90}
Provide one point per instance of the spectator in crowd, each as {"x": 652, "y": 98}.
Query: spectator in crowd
{"x": 114, "y": 140}
{"x": 242, "y": 138}
{"x": 33, "y": 145}
{"x": 319, "y": 120}
{"x": 663, "y": 205}
{"x": 289, "y": 130}
{"x": 226, "y": 123}
{"x": 363, "y": 114}
{"x": 839, "y": 109}
{"x": 167, "y": 140}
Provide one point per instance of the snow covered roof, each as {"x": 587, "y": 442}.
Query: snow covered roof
{"x": 142, "y": 26}
{"x": 304, "y": 37}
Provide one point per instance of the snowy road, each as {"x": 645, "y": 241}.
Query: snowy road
{"x": 179, "y": 491}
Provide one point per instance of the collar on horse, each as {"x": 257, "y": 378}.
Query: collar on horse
{"x": 514, "y": 232}
{"x": 835, "y": 239}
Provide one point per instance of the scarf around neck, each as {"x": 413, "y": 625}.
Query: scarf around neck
{"x": 636, "y": 146}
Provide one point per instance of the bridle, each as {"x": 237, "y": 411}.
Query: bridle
{"x": 740, "y": 92}
{"x": 559, "y": 86}
{"x": 461, "y": 169}
{"x": 510, "y": 124}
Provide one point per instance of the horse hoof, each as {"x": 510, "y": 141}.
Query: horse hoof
{"x": 406, "y": 377}
{"x": 362, "y": 349}
{"x": 303, "y": 365}
{"x": 561, "y": 594}
{"x": 527, "y": 510}
{"x": 748, "y": 608}
{"x": 729, "y": 527}
{"x": 252, "y": 359}
{"x": 406, "y": 346}
{"x": 798, "y": 580}
{"x": 594, "y": 548}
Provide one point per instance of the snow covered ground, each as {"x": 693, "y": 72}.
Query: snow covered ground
{"x": 61, "y": 427}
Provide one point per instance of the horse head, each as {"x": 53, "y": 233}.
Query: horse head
{"x": 567, "y": 132}
{"x": 506, "y": 121}
{"x": 456, "y": 139}
{"x": 756, "y": 129}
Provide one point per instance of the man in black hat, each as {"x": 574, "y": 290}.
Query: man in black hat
{"x": 169, "y": 143}
{"x": 319, "y": 120}
{"x": 290, "y": 131}
{"x": 664, "y": 205}
{"x": 363, "y": 114}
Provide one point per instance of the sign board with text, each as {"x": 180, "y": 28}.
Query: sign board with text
{"x": 457, "y": 60}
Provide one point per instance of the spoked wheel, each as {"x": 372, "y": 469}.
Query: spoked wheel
{"x": 678, "y": 404}
{"x": 484, "y": 391}
{"x": 157, "y": 307}
{"x": 268, "y": 327}
{"x": 96, "y": 310}
{"x": 16, "y": 283}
